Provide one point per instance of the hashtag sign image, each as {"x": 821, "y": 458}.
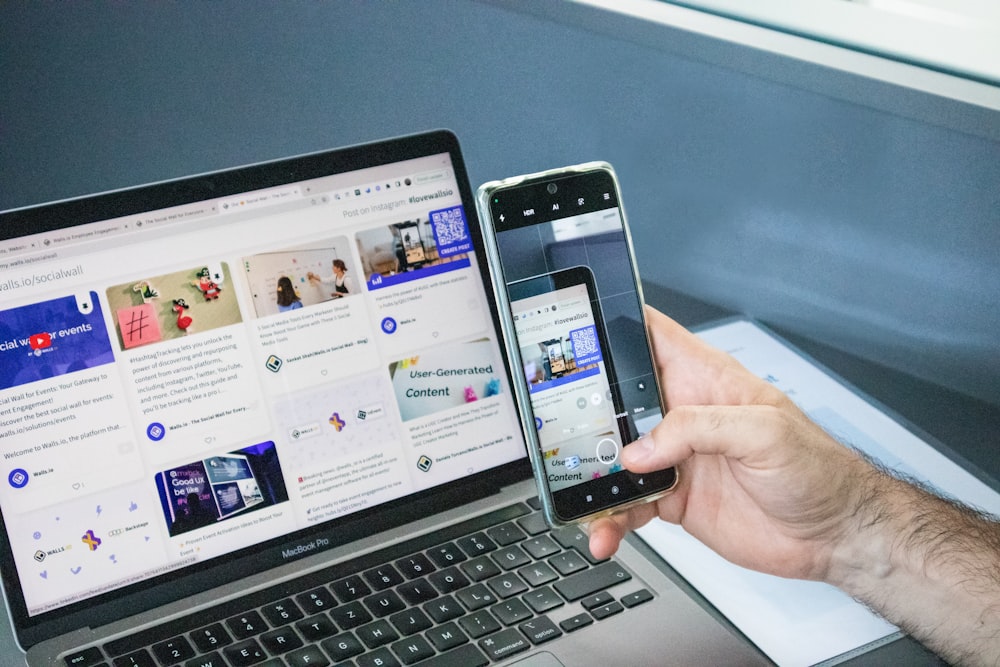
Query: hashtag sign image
{"x": 138, "y": 325}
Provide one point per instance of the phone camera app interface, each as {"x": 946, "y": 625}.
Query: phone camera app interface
{"x": 579, "y": 327}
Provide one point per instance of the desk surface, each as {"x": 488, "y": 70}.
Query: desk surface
{"x": 967, "y": 427}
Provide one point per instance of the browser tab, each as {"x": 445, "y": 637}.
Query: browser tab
{"x": 259, "y": 199}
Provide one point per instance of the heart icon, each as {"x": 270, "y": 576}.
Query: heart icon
{"x": 76, "y": 486}
{"x": 44, "y": 574}
{"x": 75, "y": 570}
{"x": 435, "y": 334}
{"x": 323, "y": 372}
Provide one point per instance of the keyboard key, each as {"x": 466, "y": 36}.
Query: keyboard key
{"x": 173, "y": 651}
{"x": 410, "y": 621}
{"x": 506, "y": 533}
{"x": 637, "y": 598}
{"x": 84, "y": 657}
{"x": 350, "y": 615}
{"x": 414, "y": 566}
{"x": 412, "y": 649}
{"x": 588, "y": 582}
{"x": 380, "y": 658}
{"x": 342, "y": 646}
{"x": 316, "y": 600}
{"x": 350, "y": 588}
{"x": 316, "y": 627}
{"x": 543, "y": 599}
{"x": 417, "y": 591}
{"x": 211, "y": 638}
{"x": 596, "y": 600}
{"x": 383, "y": 577}
{"x": 377, "y": 633}
{"x": 443, "y": 609}
{"x": 281, "y": 640}
{"x": 464, "y": 656}
{"x": 533, "y": 524}
{"x": 539, "y": 630}
{"x": 282, "y": 612}
{"x": 572, "y": 537}
{"x": 610, "y": 609}
{"x": 213, "y": 659}
{"x": 510, "y": 612}
{"x": 504, "y": 643}
{"x": 507, "y": 585}
{"x": 476, "y": 544}
{"x": 446, "y": 554}
{"x": 308, "y": 656}
{"x": 479, "y": 624}
{"x": 510, "y": 557}
{"x": 568, "y": 562}
{"x": 576, "y": 622}
{"x": 541, "y": 547}
{"x": 534, "y": 503}
{"x": 140, "y": 658}
{"x": 537, "y": 574}
{"x": 384, "y": 603}
{"x": 479, "y": 569}
{"x": 246, "y": 625}
{"x": 446, "y": 637}
{"x": 448, "y": 580}
{"x": 244, "y": 653}
{"x": 476, "y": 597}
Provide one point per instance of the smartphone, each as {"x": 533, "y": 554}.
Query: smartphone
{"x": 571, "y": 309}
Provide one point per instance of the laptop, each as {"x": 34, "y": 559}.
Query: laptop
{"x": 262, "y": 417}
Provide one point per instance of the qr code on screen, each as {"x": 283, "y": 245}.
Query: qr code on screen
{"x": 586, "y": 349}
{"x": 451, "y": 231}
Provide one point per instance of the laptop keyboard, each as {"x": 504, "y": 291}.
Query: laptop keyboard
{"x": 467, "y": 596}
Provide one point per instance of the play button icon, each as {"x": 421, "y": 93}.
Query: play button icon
{"x": 40, "y": 341}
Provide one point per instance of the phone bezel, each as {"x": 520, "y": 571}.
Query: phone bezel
{"x": 602, "y": 178}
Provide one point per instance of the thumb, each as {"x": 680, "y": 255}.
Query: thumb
{"x": 726, "y": 430}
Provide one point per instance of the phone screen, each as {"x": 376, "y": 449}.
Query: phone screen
{"x": 577, "y": 316}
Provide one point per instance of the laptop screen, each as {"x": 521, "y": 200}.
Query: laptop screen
{"x": 183, "y": 384}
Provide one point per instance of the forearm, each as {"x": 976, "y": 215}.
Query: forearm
{"x": 926, "y": 565}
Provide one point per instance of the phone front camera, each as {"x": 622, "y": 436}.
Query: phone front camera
{"x": 552, "y": 188}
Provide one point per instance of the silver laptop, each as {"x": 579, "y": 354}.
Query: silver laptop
{"x": 261, "y": 417}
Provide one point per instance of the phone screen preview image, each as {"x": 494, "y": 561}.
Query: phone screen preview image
{"x": 562, "y": 343}
{"x": 577, "y": 315}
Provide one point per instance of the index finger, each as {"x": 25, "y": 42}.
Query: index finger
{"x": 692, "y": 372}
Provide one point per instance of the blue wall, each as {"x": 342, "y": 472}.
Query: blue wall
{"x": 867, "y": 230}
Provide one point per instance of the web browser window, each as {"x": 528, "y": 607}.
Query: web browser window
{"x": 253, "y": 365}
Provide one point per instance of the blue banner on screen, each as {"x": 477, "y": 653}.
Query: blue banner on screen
{"x": 378, "y": 281}
{"x": 51, "y": 338}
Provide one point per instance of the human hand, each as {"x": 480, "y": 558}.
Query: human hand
{"x": 759, "y": 482}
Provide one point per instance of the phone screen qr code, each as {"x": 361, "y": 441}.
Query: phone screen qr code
{"x": 586, "y": 349}
{"x": 450, "y": 231}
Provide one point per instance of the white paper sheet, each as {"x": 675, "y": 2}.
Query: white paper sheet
{"x": 800, "y": 622}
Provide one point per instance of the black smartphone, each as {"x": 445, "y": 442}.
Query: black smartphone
{"x": 570, "y": 300}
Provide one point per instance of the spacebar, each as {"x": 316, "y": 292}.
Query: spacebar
{"x": 582, "y": 584}
{"x": 463, "y": 656}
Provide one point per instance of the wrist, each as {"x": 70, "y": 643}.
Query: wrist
{"x": 865, "y": 554}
